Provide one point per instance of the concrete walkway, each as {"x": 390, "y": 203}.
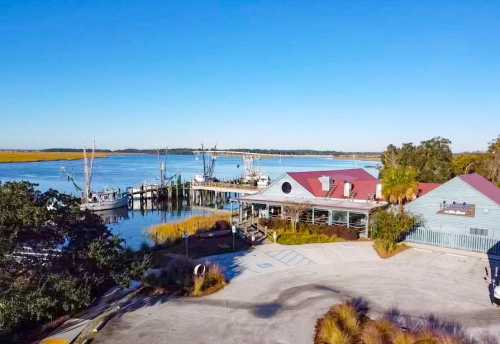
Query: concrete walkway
{"x": 277, "y": 293}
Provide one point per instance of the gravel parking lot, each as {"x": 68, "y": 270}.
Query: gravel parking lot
{"x": 277, "y": 293}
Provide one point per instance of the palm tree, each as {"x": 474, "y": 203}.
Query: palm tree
{"x": 399, "y": 184}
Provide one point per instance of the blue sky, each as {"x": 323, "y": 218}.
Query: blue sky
{"x": 351, "y": 75}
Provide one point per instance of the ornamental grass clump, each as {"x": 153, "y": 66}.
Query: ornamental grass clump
{"x": 171, "y": 233}
{"x": 209, "y": 283}
{"x": 348, "y": 323}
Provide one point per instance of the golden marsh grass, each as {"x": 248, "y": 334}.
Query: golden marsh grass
{"x": 17, "y": 157}
{"x": 171, "y": 232}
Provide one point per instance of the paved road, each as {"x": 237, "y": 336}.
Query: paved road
{"x": 277, "y": 293}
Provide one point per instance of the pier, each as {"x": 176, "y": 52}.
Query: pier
{"x": 195, "y": 193}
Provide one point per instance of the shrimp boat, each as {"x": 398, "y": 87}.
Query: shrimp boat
{"x": 109, "y": 198}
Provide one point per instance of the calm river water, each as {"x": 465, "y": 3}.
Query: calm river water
{"x": 130, "y": 170}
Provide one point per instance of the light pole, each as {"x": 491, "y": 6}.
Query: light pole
{"x": 186, "y": 238}
{"x": 233, "y": 230}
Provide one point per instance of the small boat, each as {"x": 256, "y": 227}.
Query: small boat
{"x": 111, "y": 198}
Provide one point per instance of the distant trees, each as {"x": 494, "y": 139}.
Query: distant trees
{"x": 432, "y": 159}
{"x": 54, "y": 259}
{"x": 486, "y": 164}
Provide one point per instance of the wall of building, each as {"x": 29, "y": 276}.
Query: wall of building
{"x": 297, "y": 190}
{"x": 487, "y": 212}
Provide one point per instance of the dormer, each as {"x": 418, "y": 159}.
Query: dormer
{"x": 326, "y": 183}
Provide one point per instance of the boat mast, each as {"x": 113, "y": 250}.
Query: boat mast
{"x": 88, "y": 165}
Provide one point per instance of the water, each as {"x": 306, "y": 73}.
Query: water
{"x": 129, "y": 170}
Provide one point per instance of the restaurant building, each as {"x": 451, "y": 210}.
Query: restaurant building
{"x": 337, "y": 197}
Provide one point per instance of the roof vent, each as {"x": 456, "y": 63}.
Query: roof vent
{"x": 326, "y": 183}
{"x": 347, "y": 189}
{"x": 378, "y": 191}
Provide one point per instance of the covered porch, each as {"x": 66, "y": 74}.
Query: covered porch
{"x": 345, "y": 213}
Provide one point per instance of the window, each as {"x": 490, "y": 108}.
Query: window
{"x": 478, "y": 231}
{"x": 286, "y": 187}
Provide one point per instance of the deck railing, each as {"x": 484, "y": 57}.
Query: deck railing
{"x": 475, "y": 243}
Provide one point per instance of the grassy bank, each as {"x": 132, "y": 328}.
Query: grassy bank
{"x": 17, "y": 157}
{"x": 170, "y": 233}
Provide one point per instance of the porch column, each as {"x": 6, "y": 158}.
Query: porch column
{"x": 347, "y": 217}
{"x": 252, "y": 213}
{"x": 367, "y": 224}
{"x": 312, "y": 217}
{"x": 282, "y": 212}
{"x": 330, "y": 217}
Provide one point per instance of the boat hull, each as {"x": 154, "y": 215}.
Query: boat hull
{"x": 105, "y": 205}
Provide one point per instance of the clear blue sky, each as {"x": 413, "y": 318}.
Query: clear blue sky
{"x": 352, "y": 75}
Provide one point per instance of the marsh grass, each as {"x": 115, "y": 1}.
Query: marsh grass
{"x": 170, "y": 233}
{"x": 18, "y": 157}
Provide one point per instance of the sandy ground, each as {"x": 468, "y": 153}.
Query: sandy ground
{"x": 277, "y": 293}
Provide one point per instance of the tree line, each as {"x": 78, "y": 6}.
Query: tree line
{"x": 433, "y": 161}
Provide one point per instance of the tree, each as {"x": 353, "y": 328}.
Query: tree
{"x": 294, "y": 211}
{"x": 432, "y": 159}
{"x": 399, "y": 184}
{"x": 493, "y": 164}
{"x": 389, "y": 228}
{"x": 54, "y": 259}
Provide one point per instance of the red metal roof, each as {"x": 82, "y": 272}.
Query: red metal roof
{"x": 424, "y": 188}
{"x": 482, "y": 185}
{"x": 363, "y": 183}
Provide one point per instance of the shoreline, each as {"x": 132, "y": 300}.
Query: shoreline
{"x": 16, "y": 157}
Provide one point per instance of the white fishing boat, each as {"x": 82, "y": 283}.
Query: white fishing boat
{"x": 110, "y": 198}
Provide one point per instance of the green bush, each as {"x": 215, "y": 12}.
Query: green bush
{"x": 293, "y": 238}
{"x": 389, "y": 228}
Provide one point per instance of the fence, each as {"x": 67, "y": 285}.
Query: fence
{"x": 474, "y": 243}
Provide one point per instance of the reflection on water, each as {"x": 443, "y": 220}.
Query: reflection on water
{"x": 111, "y": 216}
{"x": 133, "y": 224}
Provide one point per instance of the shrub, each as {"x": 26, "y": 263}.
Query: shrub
{"x": 387, "y": 249}
{"x": 346, "y": 323}
{"x": 281, "y": 225}
{"x": 171, "y": 233}
{"x": 340, "y": 325}
{"x": 389, "y": 228}
{"x": 293, "y": 238}
{"x": 178, "y": 274}
{"x": 212, "y": 281}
